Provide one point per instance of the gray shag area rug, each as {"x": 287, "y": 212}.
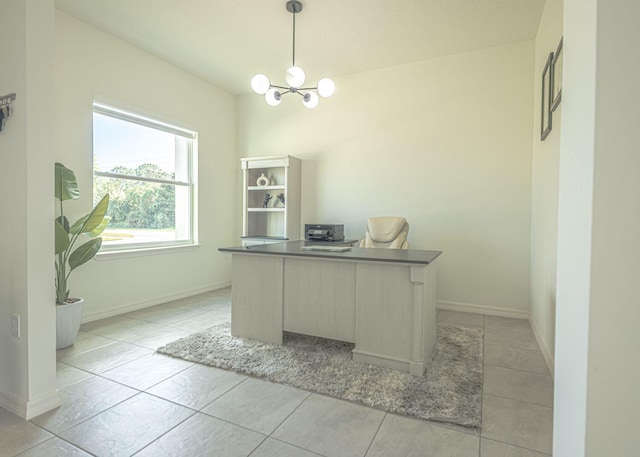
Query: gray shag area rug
{"x": 450, "y": 390}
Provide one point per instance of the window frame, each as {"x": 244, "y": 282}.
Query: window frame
{"x": 190, "y": 184}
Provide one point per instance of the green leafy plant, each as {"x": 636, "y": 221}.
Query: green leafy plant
{"x": 66, "y": 235}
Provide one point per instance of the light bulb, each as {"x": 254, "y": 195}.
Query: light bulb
{"x": 273, "y": 97}
{"x": 310, "y": 100}
{"x": 260, "y": 84}
{"x": 326, "y": 87}
{"x": 294, "y": 76}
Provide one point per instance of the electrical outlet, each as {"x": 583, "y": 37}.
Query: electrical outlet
{"x": 15, "y": 325}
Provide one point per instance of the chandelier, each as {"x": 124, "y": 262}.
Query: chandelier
{"x": 294, "y": 77}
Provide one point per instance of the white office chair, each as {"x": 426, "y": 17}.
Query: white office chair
{"x": 386, "y": 232}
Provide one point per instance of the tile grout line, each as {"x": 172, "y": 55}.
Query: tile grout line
{"x": 375, "y": 434}
{"x": 296, "y": 446}
{"x": 519, "y": 369}
{"x": 289, "y": 415}
{"x": 519, "y": 447}
{"x": 170, "y": 325}
{"x": 59, "y": 434}
{"x": 115, "y": 366}
{"x": 521, "y": 401}
{"x": 172, "y": 428}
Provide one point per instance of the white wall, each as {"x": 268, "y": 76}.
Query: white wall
{"x": 613, "y": 366}
{"x": 445, "y": 143}
{"x": 597, "y": 343}
{"x": 27, "y": 377}
{"x": 90, "y": 63}
{"x": 544, "y": 191}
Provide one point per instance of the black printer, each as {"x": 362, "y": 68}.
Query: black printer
{"x": 324, "y": 232}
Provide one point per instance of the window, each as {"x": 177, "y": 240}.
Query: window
{"x": 146, "y": 167}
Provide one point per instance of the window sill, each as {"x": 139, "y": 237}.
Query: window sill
{"x": 141, "y": 252}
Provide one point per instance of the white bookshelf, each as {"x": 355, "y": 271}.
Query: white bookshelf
{"x": 274, "y": 222}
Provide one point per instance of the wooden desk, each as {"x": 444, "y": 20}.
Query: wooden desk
{"x": 383, "y": 300}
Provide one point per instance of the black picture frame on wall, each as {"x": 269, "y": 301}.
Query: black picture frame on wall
{"x": 545, "y": 106}
{"x": 556, "y": 72}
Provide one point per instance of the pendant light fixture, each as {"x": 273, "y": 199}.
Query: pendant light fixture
{"x": 294, "y": 77}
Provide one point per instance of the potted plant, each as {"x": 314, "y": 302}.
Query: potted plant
{"x": 69, "y": 256}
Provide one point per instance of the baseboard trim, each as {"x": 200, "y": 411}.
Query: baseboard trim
{"x": 155, "y": 301}
{"x": 43, "y": 404}
{"x": 386, "y": 361}
{"x": 27, "y": 410}
{"x": 548, "y": 357}
{"x": 482, "y": 309}
{"x": 13, "y": 404}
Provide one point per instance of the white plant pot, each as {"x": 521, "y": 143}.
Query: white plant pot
{"x": 68, "y": 318}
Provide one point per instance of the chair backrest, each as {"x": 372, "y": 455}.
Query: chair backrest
{"x": 386, "y": 232}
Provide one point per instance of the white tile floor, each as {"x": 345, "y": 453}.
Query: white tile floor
{"x": 119, "y": 398}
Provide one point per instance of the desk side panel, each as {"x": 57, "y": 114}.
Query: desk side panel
{"x": 384, "y": 312}
{"x": 319, "y": 298}
{"x": 257, "y": 297}
{"x": 429, "y": 311}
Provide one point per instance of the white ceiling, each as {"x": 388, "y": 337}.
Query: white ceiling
{"x": 228, "y": 41}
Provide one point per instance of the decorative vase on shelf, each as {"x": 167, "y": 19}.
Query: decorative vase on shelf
{"x": 262, "y": 181}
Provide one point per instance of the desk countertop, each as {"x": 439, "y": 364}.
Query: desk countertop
{"x": 294, "y": 248}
